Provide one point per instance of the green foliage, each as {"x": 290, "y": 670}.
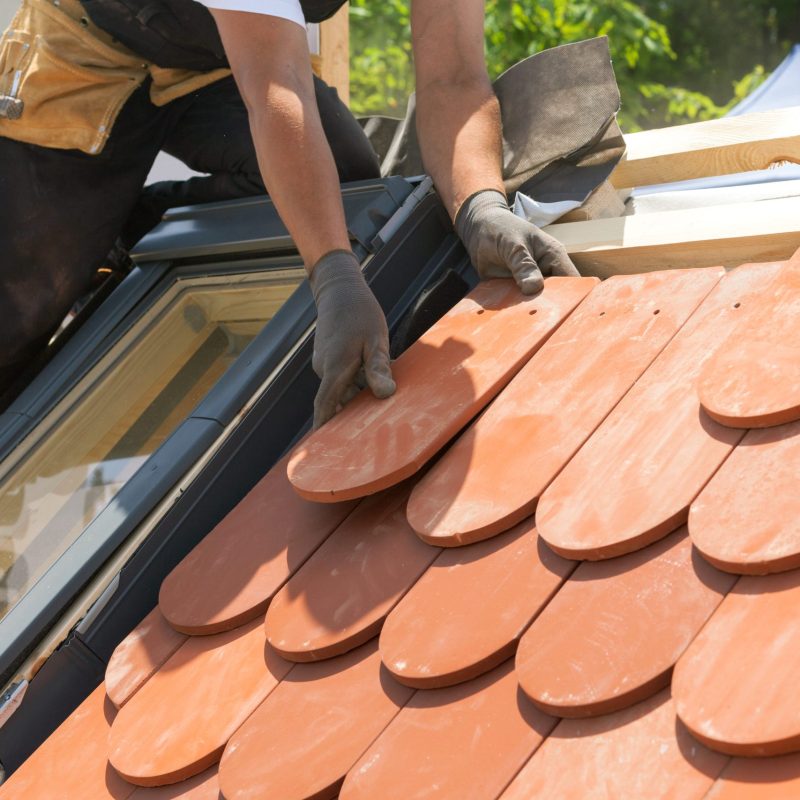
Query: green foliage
{"x": 675, "y": 60}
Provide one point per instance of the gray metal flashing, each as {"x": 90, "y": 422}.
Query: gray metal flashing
{"x": 251, "y": 224}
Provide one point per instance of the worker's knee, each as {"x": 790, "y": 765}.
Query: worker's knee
{"x": 36, "y": 293}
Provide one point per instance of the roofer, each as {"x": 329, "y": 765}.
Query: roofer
{"x": 102, "y": 85}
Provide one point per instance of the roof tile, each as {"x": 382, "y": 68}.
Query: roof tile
{"x": 204, "y": 786}
{"x": 612, "y": 634}
{"x": 467, "y": 612}
{"x": 342, "y": 594}
{"x": 758, "y": 779}
{"x": 735, "y": 684}
{"x": 555, "y": 402}
{"x": 728, "y": 523}
{"x": 72, "y": 763}
{"x": 634, "y": 480}
{"x": 466, "y": 741}
{"x": 229, "y": 578}
{"x": 443, "y": 380}
{"x": 754, "y": 380}
{"x": 639, "y": 752}
{"x": 139, "y": 655}
{"x": 178, "y": 723}
{"x": 302, "y": 740}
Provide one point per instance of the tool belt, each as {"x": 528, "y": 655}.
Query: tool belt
{"x": 64, "y": 80}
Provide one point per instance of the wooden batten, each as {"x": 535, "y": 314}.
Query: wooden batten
{"x": 722, "y": 235}
{"x": 703, "y": 149}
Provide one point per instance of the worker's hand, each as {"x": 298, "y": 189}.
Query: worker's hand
{"x": 351, "y": 344}
{"x": 501, "y": 244}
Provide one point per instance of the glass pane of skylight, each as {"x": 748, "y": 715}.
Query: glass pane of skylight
{"x": 63, "y": 476}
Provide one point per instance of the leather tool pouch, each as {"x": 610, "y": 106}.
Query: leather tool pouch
{"x": 68, "y": 84}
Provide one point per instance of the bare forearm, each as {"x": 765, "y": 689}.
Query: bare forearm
{"x": 302, "y": 180}
{"x": 293, "y": 154}
{"x": 460, "y": 137}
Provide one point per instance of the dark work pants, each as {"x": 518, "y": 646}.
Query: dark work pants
{"x": 61, "y": 211}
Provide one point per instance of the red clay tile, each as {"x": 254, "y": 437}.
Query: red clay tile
{"x": 634, "y": 480}
{"x": 735, "y": 686}
{"x": 466, "y": 742}
{"x": 640, "y": 752}
{"x": 467, "y": 612}
{"x": 342, "y": 594}
{"x": 443, "y": 380}
{"x": 754, "y": 380}
{"x": 305, "y": 736}
{"x": 139, "y": 655}
{"x": 229, "y": 578}
{"x": 178, "y": 723}
{"x": 555, "y": 402}
{"x": 612, "y": 634}
{"x": 73, "y": 762}
{"x": 204, "y": 786}
{"x": 728, "y": 523}
{"x": 775, "y": 778}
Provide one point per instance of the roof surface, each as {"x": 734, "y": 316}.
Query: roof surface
{"x": 515, "y": 608}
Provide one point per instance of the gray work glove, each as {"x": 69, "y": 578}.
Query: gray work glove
{"x": 351, "y": 344}
{"x": 501, "y": 244}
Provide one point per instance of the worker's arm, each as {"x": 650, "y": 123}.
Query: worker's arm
{"x": 271, "y": 63}
{"x": 458, "y": 120}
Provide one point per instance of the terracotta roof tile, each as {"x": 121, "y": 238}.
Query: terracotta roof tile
{"x": 634, "y": 480}
{"x": 639, "y": 752}
{"x": 601, "y": 638}
{"x": 754, "y": 380}
{"x": 728, "y": 523}
{"x": 204, "y": 786}
{"x": 733, "y": 685}
{"x": 340, "y": 597}
{"x": 555, "y": 402}
{"x": 229, "y": 578}
{"x": 467, "y": 612}
{"x": 466, "y": 741}
{"x": 775, "y": 778}
{"x": 305, "y": 736}
{"x": 73, "y": 762}
{"x": 178, "y": 723}
{"x": 443, "y": 380}
{"x": 612, "y": 634}
{"x": 139, "y": 655}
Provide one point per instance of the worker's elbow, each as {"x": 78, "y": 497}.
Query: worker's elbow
{"x": 274, "y": 91}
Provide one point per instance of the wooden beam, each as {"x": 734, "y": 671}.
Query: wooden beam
{"x": 703, "y": 149}
{"x": 700, "y": 237}
{"x": 334, "y": 52}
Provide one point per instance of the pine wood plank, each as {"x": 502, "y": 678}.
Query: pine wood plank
{"x": 716, "y": 147}
{"x": 700, "y": 237}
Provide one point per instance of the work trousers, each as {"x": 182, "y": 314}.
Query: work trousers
{"x": 61, "y": 211}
